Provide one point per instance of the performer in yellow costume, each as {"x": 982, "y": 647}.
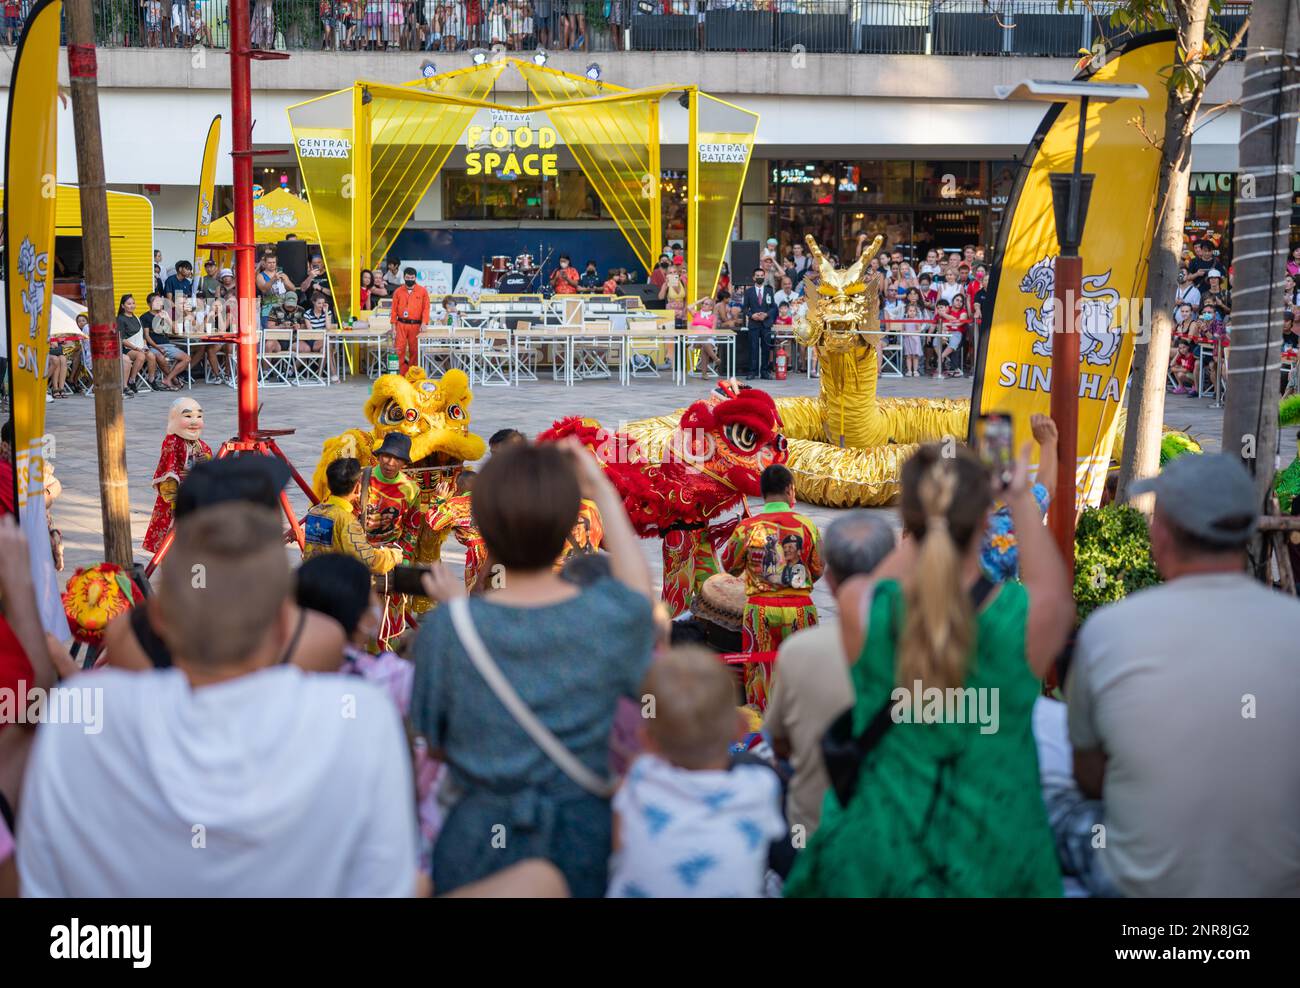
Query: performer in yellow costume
{"x": 779, "y": 553}
{"x": 333, "y": 525}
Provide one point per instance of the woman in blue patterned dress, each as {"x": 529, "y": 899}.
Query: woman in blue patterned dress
{"x": 569, "y": 653}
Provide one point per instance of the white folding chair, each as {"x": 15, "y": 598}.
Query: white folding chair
{"x": 436, "y": 350}
{"x": 275, "y": 368}
{"x": 141, "y": 377}
{"x": 311, "y": 368}
{"x": 591, "y": 355}
{"x": 526, "y": 354}
{"x": 643, "y": 345}
{"x": 496, "y": 358}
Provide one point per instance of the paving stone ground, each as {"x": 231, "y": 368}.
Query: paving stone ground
{"x": 316, "y": 413}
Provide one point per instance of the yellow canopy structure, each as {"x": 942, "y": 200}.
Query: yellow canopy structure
{"x": 275, "y": 215}
{"x": 368, "y": 154}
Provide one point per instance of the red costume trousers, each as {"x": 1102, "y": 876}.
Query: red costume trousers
{"x": 408, "y": 345}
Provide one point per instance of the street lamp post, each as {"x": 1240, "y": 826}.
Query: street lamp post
{"x": 1071, "y": 192}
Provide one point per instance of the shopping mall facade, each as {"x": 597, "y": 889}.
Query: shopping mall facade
{"x": 912, "y": 146}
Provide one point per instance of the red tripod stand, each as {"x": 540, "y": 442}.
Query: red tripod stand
{"x": 251, "y": 438}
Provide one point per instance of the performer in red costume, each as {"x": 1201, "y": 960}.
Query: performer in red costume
{"x": 710, "y": 463}
{"x": 181, "y": 449}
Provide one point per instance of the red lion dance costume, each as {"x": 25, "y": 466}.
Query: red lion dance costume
{"x": 710, "y": 462}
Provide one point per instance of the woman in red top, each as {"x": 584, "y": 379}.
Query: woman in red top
{"x": 564, "y": 279}
{"x": 367, "y": 282}
{"x": 955, "y": 323}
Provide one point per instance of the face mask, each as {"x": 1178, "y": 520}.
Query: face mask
{"x": 410, "y": 282}
{"x": 1207, "y": 317}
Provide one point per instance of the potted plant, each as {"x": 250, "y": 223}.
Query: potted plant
{"x": 1112, "y": 553}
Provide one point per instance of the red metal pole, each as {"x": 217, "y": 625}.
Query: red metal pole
{"x": 1065, "y": 404}
{"x": 241, "y": 144}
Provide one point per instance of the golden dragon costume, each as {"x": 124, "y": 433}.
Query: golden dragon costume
{"x": 847, "y": 446}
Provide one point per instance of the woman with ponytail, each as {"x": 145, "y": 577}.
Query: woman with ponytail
{"x": 946, "y": 667}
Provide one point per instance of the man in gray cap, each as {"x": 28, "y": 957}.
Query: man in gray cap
{"x": 1185, "y": 704}
{"x": 813, "y": 687}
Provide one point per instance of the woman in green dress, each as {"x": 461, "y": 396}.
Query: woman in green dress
{"x": 948, "y": 802}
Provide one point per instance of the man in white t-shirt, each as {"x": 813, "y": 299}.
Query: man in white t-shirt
{"x": 812, "y": 685}
{"x": 1187, "y": 292}
{"x": 229, "y": 774}
{"x": 787, "y": 293}
{"x": 1185, "y": 704}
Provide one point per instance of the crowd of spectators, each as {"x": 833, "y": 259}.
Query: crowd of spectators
{"x": 933, "y": 308}
{"x": 443, "y": 780}
{"x": 1202, "y": 336}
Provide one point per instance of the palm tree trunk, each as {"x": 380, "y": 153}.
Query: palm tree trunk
{"x": 1146, "y": 399}
{"x": 1270, "y": 96}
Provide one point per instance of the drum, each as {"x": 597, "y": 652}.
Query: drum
{"x": 719, "y": 608}
{"x": 490, "y": 278}
{"x": 524, "y": 262}
{"x": 500, "y": 262}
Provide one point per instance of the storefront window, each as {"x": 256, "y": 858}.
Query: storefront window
{"x": 896, "y": 228}
{"x": 832, "y": 200}
{"x": 951, "y": 183}
{"x": 1209, "y": 209}
{"x": 875, "y": 182}
{"x": 811, "y": 182}
{"x": 272, "y": 177}
{"x": 793, "y": 223}
{"x": 673, "y": 200}
{"x": 948, "y": 229}
{"x": 1002, "y": 182}
{"x": 568, "y": 196}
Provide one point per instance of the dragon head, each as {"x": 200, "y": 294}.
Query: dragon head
{"x": 434, "y": 414}
{"x": 843, "y": 305}
{"x": 731, "y": 435}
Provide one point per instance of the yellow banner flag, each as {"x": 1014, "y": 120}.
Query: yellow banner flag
{"x": 721, "y": 142}
{"x": 1121, "y": 148}
{"x": 322, "y": 135}
{"x": 30, "y": 181}
{"x": 207, "y": 186}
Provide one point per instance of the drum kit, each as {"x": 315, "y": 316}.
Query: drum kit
{"x": 500, "y": 264}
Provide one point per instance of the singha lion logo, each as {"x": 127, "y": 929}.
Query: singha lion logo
{"x": 1099, "y": 339}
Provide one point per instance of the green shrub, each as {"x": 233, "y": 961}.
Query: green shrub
{"x": 1112, "y": 557}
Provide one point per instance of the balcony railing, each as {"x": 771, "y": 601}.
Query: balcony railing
{"x": 939, "y": 27}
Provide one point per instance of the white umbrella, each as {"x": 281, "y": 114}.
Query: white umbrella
{"x": 63, "y": 316}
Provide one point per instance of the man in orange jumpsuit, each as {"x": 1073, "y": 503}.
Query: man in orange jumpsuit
{"x": 410, "y": 316}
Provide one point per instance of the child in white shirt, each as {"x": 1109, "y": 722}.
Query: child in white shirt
{"x": 686, "y": 825}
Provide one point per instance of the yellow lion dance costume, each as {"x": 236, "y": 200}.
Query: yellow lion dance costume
{"x": 435, "y": 415}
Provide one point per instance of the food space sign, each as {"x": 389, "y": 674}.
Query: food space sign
{"x": 511, "y": 147}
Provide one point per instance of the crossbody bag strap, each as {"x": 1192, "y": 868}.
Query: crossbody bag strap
{"x": 553, "y": 747}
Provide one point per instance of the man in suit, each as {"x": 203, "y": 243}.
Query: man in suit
{"x": 759, "y": 314}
